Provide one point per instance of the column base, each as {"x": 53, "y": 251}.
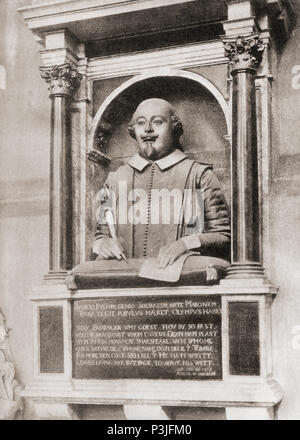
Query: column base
{"x": 146, "y": 412}
{"x": 249, "y": 413}
{"x": 57, "y": 277}
{"x": 245, "y": 271}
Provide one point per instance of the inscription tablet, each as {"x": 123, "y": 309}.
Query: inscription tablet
{"x": 153, "y": 337}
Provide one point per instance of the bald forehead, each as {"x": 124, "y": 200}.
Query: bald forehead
{"x": 153, "y": 107}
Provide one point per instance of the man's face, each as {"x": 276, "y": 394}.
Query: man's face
{"x": 153, "y": 129}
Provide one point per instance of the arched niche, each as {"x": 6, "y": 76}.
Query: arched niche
{"x": 201, "y": 107}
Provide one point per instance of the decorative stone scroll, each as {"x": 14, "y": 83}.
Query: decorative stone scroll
{"x": 244, "y": 52}
{"x": 10, "y": 402}
{"x": 61, "y": 80}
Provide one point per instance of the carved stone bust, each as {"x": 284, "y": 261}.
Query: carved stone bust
{"x": 161, "y": 203}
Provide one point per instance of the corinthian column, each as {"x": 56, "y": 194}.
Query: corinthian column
{"x": 245, "y": 55}
{"x": 62, "y": 81}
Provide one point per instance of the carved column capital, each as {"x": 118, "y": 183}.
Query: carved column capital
{"x": 244, "y": 52}
{"x": 62, "y": 80}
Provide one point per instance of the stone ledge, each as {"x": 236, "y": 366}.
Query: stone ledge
{"x": 256, "y": 393}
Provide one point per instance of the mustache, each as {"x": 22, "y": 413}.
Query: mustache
{"x": 149, "y": 138}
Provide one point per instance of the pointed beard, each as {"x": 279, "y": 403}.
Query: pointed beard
{"x": 149, "y": 152}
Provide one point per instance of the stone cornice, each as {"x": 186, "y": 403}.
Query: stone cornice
{"x": 55, "y": 15}
{"x": 61, "y": 79}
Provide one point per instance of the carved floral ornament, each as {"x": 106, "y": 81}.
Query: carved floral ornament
{"x": 61, "y": 80}
{"x": 244, "y": 52}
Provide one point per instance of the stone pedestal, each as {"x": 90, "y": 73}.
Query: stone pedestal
{"x": 146, "y": 412}
{"x": 54, "y": 411}
{"x": 248, "y": 413}
{"x": 244, "y": 385}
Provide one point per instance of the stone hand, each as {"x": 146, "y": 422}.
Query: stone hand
{"x": 108, "y": 248}
{"x": 170, "y": 252}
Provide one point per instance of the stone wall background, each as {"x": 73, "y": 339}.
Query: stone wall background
{"x": 285, "y": 223}
{"x": 24, "y": 181}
